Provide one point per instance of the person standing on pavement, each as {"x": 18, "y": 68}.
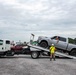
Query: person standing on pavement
{"x": 52, "y": 52}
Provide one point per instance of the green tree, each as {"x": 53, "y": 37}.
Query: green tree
{"x": 75, "y": 40}
{"x": 71, "y": 40}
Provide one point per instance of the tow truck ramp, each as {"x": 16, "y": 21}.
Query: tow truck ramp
{"x": 38, "y": 48}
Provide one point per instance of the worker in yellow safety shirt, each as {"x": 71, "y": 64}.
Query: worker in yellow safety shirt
{"x": 52, "y": 52}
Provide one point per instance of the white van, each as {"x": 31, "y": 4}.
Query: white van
{"x": 4, "y": 46}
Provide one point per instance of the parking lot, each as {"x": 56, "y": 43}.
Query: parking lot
{"x": 25, "y": 65}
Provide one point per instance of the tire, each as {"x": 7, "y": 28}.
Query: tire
{"x": 12, "y": 53}
{"x": 35, "y": 55}
{"x": 73, "y": 53}
{"x": 44, "y": 44}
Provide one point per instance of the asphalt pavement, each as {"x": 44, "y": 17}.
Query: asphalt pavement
{"x": 25, "y": 65}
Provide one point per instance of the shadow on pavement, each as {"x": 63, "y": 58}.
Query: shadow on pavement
{"x": 14, "y": 57}
{"x": 57, "y": 57}
{"x": 29, "y": 57}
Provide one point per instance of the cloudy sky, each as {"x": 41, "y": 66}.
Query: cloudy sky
{"x": 20, "y": 18}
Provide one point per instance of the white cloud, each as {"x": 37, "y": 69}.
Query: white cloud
{"x": 20, "y": 18}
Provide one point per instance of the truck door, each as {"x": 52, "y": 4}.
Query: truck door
{"x": 59, "y": 42}
{"x": 62, "y": 43}
{"x": 1, "y": 45}
{"x": 7, "y": 45}
{"x": 54, "y": 41}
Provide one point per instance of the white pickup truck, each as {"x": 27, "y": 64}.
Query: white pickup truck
{"x": 60, "y": 43}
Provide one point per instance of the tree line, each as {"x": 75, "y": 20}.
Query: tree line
{"x": 73, "y": 41}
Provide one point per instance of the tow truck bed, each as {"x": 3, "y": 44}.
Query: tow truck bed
{"x": 37, "y": 49}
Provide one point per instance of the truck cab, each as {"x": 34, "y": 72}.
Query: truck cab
{"x": 60, "y": 42}
{"x": 4, "y": 46}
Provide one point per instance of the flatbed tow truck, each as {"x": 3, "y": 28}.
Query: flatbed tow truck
{"x": 36, "y": 51}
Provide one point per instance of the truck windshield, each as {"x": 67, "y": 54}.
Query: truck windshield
{"x": 7, "y": 42}
{"x": 1, "y": 42}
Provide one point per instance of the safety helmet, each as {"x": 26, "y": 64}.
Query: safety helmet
{"x": 52, "y": 44}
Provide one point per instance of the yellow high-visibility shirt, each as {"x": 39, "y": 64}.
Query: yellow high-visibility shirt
{"x": 52, "y": 49}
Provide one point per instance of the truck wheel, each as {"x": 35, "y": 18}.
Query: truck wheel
{"x": 12, "y": 53}
{"x": 44, "y": 44}
{"x": 35, "y": 55}
{"x": 9, "y": 53}
{"x": 73, "y": 53}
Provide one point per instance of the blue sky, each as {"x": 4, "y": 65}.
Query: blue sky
{"x": 20, "y": 18}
